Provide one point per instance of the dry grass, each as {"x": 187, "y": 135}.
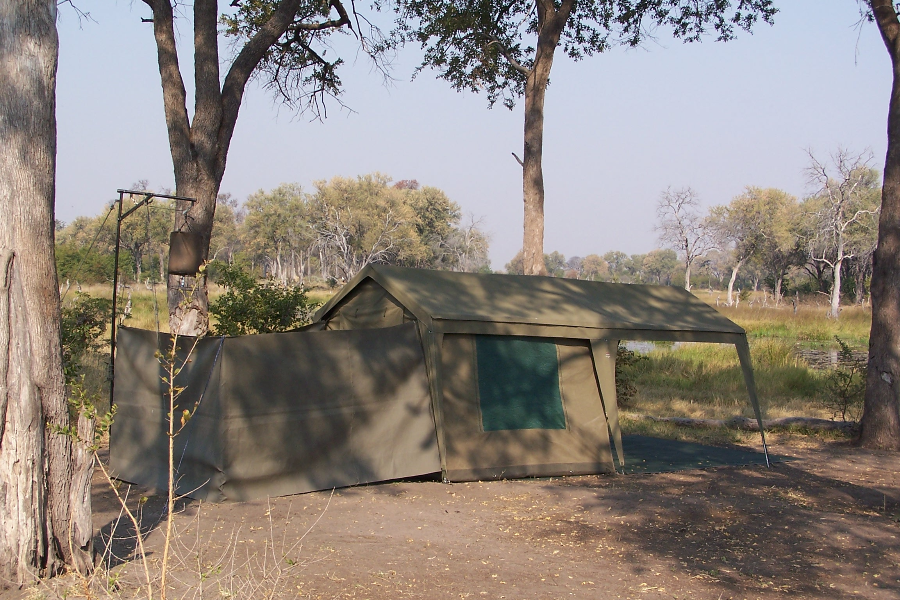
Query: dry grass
{"x": 810, "y": 326}
{"x": 705, "y": 381}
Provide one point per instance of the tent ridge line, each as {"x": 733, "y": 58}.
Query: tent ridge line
{"x": 638, "y": 327}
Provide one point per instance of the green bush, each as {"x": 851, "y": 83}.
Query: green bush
{"x": 82, "y": 325}
{"x": 248, "y": 306}
{"x": 79, "y": 264}
{"x": 626, "y": 360}
{"x": 845, "y": 385}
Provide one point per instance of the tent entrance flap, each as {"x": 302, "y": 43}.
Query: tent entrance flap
{"x": 572, "y": 434}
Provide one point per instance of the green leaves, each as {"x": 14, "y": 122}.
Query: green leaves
{"x": 297, "y": 66}
{"x": 845, "y": 384}
{"x": 489, "y": 46}
{"x": 251, "y": 307}
{"x": 82, "y": 325}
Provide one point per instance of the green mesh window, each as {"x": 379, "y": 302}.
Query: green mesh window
{"x": 518, "y": 383}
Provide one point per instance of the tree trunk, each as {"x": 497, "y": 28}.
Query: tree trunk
{"x": 687, "y": 276}
{"x": 880, "y": 423}
{"x": 859, "y": 285}
{"x": 777, "y": 294}
{"x": 138, "y": 259}
{"x": 35, "y": 460}
{"x": 532, "y": 169}
{"x": 734, "y": 272}
{"x": 199, "y": 145}
{"x": 187, "y": 296}
{"x": 551, "y": 22}
{"x": 835, "y": 310}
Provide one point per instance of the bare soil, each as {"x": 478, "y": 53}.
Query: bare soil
{"x": 823, "y": 525}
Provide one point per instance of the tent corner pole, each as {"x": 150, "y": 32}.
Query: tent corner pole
{"x": 743, "y": 350}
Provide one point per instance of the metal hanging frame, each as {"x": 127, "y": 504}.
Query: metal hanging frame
{"x": 147, "y": 198}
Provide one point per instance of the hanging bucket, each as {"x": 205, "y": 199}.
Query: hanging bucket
{"x": 185, "y": 253}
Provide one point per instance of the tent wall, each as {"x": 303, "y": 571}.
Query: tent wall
{"x": 368, "y": 306}
{"x": 312, "y": 411}
{"x": 473, "y": 453}
{"x": 281, "y": 413}
{"x": 138, "y": 445}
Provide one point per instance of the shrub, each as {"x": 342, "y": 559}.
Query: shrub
{"x": 625, "y": 361}
{"x": 248, "y": 306}
{"x": 82, "y": 325}
{"x": 845, "y": 385}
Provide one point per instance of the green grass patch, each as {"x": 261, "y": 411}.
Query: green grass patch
{"x": 705, "y": 381}
{"x": 810, "y": 326}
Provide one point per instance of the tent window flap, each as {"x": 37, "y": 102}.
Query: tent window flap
{"x": 518, "y": 383}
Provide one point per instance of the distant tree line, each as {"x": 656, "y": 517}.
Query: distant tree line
{"x": 764, "y": 239}
{"x": 289, "y": 235}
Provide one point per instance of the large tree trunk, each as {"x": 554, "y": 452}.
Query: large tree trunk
{"x": 188, "y": 297}
{"x": 532, "y": 169}
{"x": 35, "y": 460}
{"x": 199, "y": 147}
{"x": 551, "y": 22}
{"x": 880, "y": 424}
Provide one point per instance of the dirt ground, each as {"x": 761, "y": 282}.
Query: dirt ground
{"x": 822, "y": 525}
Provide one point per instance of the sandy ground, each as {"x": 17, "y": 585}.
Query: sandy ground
{"x": 823, "y": 525}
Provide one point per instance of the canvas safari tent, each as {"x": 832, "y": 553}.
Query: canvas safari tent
{"x": 406, "y": 372}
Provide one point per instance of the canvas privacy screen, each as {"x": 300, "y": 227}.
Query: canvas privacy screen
{"x": 281, "y": 413}
{"x": 518, "y": 383}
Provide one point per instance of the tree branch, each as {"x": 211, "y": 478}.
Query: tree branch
{"x": 207, "y": 95}
{"x": 504, "y": 51}
{"x": 249, "y": 58}
{"x": 888, "y": 24}
{"x": 174, "y": 95}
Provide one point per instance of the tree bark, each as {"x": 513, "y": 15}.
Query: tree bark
{"x": 835, "y": 311}
{"x": 880, "y": 423}
{"x": 36, "y": 513}
{"x": 734, "y": 272}
{"x": 551, "y": 22}
{"x": 687, "y": 276}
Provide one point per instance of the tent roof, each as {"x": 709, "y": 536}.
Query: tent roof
{"x": 449, "y": 296}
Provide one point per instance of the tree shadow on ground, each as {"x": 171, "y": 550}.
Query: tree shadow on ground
{"x": 780, "y": 529}
{"x": 115, "y": 541}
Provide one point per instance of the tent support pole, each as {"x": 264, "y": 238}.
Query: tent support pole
{"x": 604, "y": 353}
{"x": 743, "y": 350}
{"x": 431, "y": 343}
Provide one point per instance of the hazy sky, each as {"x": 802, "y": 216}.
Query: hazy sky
{"x": 619, "y": 128}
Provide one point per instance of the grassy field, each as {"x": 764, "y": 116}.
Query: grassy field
{"x": 705, "y": 380}
{"x": 687, "y": 380}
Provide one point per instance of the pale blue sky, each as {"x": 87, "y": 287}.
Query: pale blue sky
{"x": 620, "y": 127}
